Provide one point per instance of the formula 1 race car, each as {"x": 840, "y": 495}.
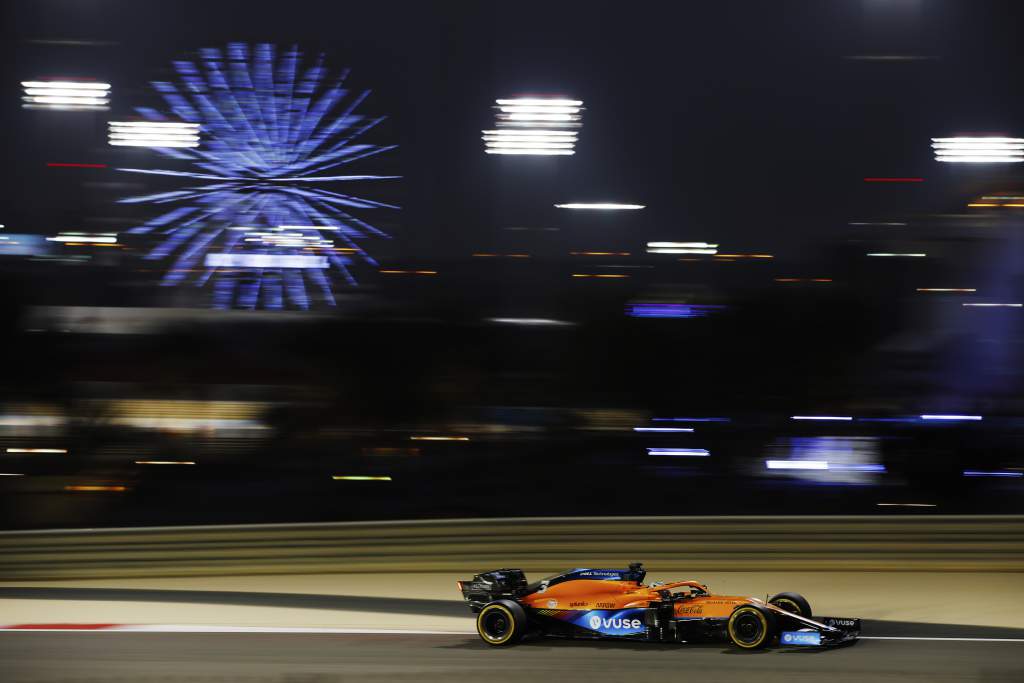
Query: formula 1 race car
{"x": 615, "y": 603}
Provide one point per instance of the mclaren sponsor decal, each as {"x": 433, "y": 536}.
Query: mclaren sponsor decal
{"x": 605, "y": 605}
{"x": 691, "y": 609}
{"x": 574, "y": 605}
{"x": 800, "y": 638}
{"x": 831, "y": 621}
{"x": 622, "y": 623}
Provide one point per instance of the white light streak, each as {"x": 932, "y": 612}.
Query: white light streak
{"x": 532, "y": 144}
{"x": 980, "y": 159}
{"x": 37, "y": 450}
{"x": 841, "y": 418}
{"x": 542, "y": 117}
{"x": 152, "y": 143}
{"x": 540, "y": 102}
{"x": 681, "y": 248}
{"x": 796, "y": 464}
{"x": 516, "y": 109}
{"x": 951, "y": 417}
{"x": 532, "y": 133}
{"x": 359, "y": 477}
{"x": 662, "y": 429}
{"x": 540, "y": 151}
{"x": 90, "y": 239}
{"x": 601, "y": 206}
{"x": 54, "y": 99}
{"x": 67, "y": 85}
{"x": 155, "y": 125}
{"x": 887, "y": 253}
{"x": 992, "y": 305}
{"x": 680, "y": 452}
{"x": 689, "y": 245}
{"x": 529, "y": 321}
{"x": 60, "y": 92}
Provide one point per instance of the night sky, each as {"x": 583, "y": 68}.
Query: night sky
{"x": 751, "y": 124}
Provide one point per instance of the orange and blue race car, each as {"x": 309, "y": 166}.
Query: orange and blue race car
{"x": 615, "y": 603}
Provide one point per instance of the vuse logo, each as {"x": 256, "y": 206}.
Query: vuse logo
{"x": 801, "y": 638}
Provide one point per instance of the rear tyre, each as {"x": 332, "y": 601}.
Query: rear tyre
{"x": 792, "y": 602}
{"x": 751, "y": 627}
{"x": 502, "y": 622}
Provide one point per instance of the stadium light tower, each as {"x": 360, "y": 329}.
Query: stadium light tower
{"x": 536, "y": 126}
{"x": 66, "y": 95}
{"x": 979, "y": 150}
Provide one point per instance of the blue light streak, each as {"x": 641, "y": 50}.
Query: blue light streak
{"x": 979, "y": 473}
{"x": 271, "y": 130}
{"x": 663, "y": 310}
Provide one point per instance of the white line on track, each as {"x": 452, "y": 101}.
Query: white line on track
{"x": 969, "y": 640}
{"x": 200, "y": 628}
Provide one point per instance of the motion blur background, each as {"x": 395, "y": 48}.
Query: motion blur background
{"x": 787, "y": 304}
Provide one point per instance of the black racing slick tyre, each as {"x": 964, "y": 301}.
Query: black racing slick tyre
{"x": 502, "y": 622}
{"x": 792, "y": 602}
{"x": 751, "y": 627}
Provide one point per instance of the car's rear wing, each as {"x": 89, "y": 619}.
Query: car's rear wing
{"x": 496, "y": 584}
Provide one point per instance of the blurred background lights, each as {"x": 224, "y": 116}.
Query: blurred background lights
{"x": 276, "y": 129}
{"x": 534, "y": 126}
{"x": 66, "y": 95}
{"x": 979, "y": 150}
{"x": 153, "y": 134}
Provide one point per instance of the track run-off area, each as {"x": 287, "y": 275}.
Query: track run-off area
{"x": 256, "y": 655}
{"x": 940, "y": 600}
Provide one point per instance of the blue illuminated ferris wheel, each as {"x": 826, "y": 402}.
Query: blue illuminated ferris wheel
{"x": 261, "y": 220}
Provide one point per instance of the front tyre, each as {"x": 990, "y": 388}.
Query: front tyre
{"x": 751, "y": 627}
{"x": 792, "y": 602}
{"x": 502, "y": 622}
